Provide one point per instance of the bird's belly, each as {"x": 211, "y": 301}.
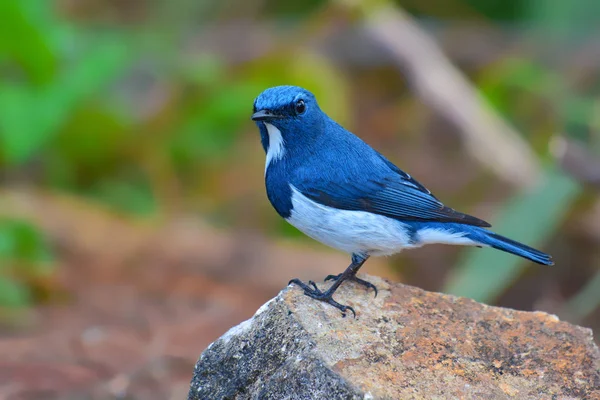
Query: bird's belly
{"x": 350, "y": 231}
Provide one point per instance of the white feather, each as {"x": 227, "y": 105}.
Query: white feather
{"x": 276, "y": 148}
{"x": 350, "y": 231}
{"x": 432, "y": 235}
{"x": 360, "y": 231}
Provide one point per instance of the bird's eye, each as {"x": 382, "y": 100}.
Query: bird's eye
{"x": 300, "y": 107}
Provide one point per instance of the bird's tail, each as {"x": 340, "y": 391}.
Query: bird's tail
{"x": 499, "y": 242}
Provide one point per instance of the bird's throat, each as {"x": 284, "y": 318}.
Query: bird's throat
{"x": 276, "y": 148}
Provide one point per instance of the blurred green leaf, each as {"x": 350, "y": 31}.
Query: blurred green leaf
{"x": 211, "y": 126}
{"x": 23, "y": 40}
{"x": 13, "y": 294}
{"x": 496, "y": 84}
{"x": 560, "y": 19}
{"x": 132, "y": 196}
{"x": 585, "y": 301}
{"x": 204, "y": 69}
{"x": 93, "y": 143}
{"x": 531, "y": 218}
{"x": 21, "y": 246}
{"x": 573, "y": 113}
{"x": 30, "y": 117}
{"x": 21, "y": 241}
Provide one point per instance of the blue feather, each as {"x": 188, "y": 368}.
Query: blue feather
{"x": 353, "y": 176}
{"x": 341, "y": 185}
{"x": 483, "y": 237}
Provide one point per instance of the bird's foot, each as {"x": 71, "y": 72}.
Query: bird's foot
{"x": 311, "y": 290}
{"x": 353, "y": 278}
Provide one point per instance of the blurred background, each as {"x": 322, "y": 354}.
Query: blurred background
{"x": 134, "y": 225}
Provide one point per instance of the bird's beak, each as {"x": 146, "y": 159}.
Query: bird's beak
{"x": 265, "y": 115}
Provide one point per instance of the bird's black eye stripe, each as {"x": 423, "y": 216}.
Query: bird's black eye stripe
{"x": 300, "y": 106}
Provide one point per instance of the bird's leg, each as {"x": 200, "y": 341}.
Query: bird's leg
{"x": 311, "y": 290}
{"x": 353, "y": 277}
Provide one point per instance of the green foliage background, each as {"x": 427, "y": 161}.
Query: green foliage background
{"x": 75, "y": 116}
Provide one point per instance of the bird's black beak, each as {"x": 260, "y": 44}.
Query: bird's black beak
{"x": 265, "y": 115}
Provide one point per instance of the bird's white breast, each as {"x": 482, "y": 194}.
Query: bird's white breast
{"x": 362, "y": 232}
{"x": 350, "y": 231}
{"x": 276, "y": 148}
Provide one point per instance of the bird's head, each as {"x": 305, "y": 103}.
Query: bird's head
{"x": 285, "y": 104}
{"x": 292, "y": 110}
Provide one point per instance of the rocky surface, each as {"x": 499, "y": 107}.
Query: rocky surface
{"x": 405, "y": 344}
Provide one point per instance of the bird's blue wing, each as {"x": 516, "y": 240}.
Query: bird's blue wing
{"x": 391, "y": 193}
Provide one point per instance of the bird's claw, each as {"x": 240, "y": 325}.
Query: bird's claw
{"x": 311, "y": 290}
{"x": 354, "y": 278}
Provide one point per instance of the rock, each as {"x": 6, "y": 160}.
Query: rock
{"x": 404, "y": 344}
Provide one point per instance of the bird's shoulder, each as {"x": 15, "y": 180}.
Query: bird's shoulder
{"x": 368, "y": 181}
{"x": 352, "y": 168}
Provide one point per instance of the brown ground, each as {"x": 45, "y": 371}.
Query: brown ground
{"x": 134, "y": 305}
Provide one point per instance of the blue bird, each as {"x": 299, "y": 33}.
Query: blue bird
{"x": 338, "y": 190}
